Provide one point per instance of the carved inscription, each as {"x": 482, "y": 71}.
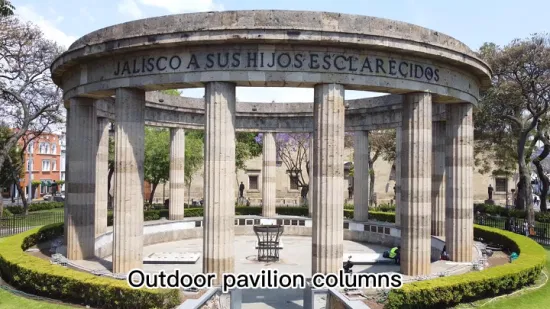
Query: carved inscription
{"x": 283, "y": 61}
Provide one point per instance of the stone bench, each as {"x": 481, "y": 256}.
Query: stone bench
{"x": 172, "y": 258}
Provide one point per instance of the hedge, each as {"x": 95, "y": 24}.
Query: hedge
{"x": 37, "y": 276}
{"x": 35, "y": 207}
{"x": 449, "y": 291}
{"x": 489, "y": 209}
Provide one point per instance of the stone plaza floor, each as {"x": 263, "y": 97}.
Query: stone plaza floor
{"x": 294, "y": 258}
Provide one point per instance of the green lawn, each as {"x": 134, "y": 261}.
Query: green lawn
{"x": 35, "y": 218}
{"x": 12, "y": 301}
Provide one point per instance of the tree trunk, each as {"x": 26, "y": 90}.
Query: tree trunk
{"x": 153, "y": 188}
{"x": 371, "y": 187}
{"x": 189, "y": 193}
{"x": 545, "y": 183}
{"x": 525, "y": 191}
{"x": 1, "y": 206}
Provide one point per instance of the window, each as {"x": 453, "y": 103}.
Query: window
{"x": 45, "y": 165}
{"x": 54, "y": 149}
{"x": 54, "y": 165}
{"x": 293, "y": 182}
{"x": 501, "y": 184}
{"x": 30, "y": 147}
{"x": 253, "y": 182}
{"x": 44, "y": 148}
{"x": 29, "y": 165}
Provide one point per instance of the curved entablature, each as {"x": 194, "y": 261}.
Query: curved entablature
{"x": 375, "y": 113}
{"x": 271, "y": 49}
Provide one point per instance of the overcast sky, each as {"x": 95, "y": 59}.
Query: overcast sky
{"x": 472, "y": 22}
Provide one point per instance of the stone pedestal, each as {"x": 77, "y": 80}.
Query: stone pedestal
{"x": 361, "y": 176}
{"x": 128, "y": 194}
{"x": 328, "y": 179}
{"x": 438, "y": 178}
{"x": 269, "y": 175}
{"x": 459, "y": 230}
{"x": 416, "y": 173}
{"x": 219, "y": 179}
{"x": 177, "y": 174}
{"x": 398, "y": 154}
{"x": 102, "y": 174}
{"x": 81, "y": 173}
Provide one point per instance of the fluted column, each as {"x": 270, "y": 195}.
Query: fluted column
{"x": 459, "y": 230}
{"x": 416, "y": 172}
{"x": 219, "y": 179}
{"x": 361, "y": 176}
{"x": 102, "y": 173}
{"x": 177, "y": 174}
{"x": 128, "y": 195}
{"x": 79, "y": 207}
{"x": 438, "y": 178}
{"x": 310, "y": 172}
{"x": 269, "y": 175}
{"x": 398, "y": 155}
{"x": 328, "y": 179}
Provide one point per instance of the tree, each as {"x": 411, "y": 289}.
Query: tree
{"x": 292, "y": 150}
{"x": 194, "y": 157}
{"x": 246, "y": 148}
{"x": 156, "y": 165}
{"x": 29, "y": 100}
{"x": 517, "y": 101}
{"x": 6, "y": 8}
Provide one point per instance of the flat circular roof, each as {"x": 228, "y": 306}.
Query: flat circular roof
{"x": 264, "y": 27}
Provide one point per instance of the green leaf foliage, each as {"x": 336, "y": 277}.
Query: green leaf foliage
{"x": 448, "y": 291}
{"x": 40, "y": 277}
{"x": 157, "y": 155}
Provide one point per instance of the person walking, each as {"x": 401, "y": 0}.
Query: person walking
{"x": 241, "y": 190}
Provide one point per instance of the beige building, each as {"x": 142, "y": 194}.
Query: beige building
{"x": 288, "y": 194}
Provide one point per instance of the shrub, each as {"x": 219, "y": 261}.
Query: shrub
{"x": 40, "y": 277}
{"x": 6, "y": 213}
{"x": 382, "y": 216}
{"x": 385, "y": 208}
{"x": 449, "y": 291}
{"x": 35, "y": 207}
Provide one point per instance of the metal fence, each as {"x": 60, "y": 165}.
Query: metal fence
{"x": 20, "y": 223}
{"x": 541, "y": 232}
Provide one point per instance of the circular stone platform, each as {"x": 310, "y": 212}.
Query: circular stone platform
{"x": 294, "y": 258}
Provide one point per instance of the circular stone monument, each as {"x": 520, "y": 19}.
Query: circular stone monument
{"x": 425, "y": 71}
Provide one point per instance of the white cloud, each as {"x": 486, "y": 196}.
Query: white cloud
{"x": 48, "y": 27}
{"x": 182, "y": 6}
{"x": 131, "y": 8}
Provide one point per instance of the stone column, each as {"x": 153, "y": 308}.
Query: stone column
{"x": 416, "y": 172}
{"x": 128, "y": 195}
{"x": 438, "y": 178}
{"x": 81, "y": 151}
{"x": 219, "y": 179}
{"x": 459, "y": 230}
{"x": 310, "y": 174}
{"x": 102, "y": 174}
{"x": 269, "y": 175}
{"x": 361, "y": 176}
{"x": 177, "y": 174}
{"x": 398, "y": 155}
{"x": 328, "y": 179}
